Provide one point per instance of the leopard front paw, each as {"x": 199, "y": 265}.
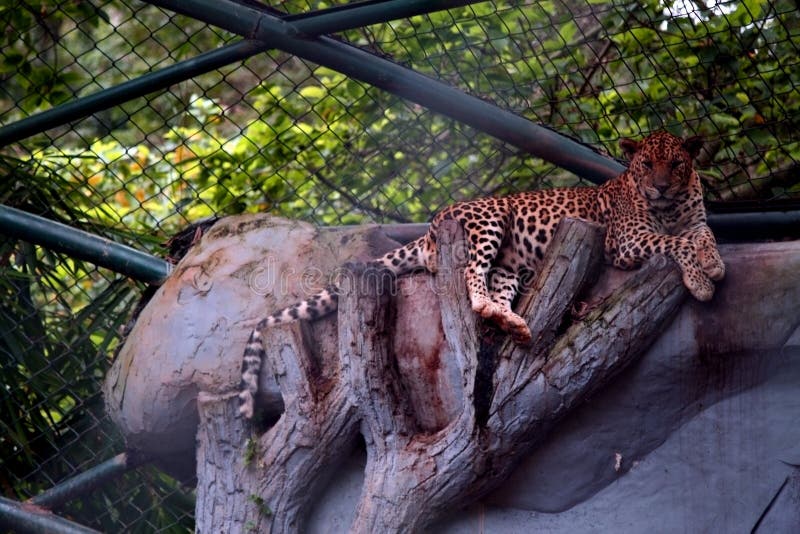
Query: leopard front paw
{"x": 505, "y": 319}
{"x": 483, "y": 306}
{"x": 515, "y": 326}
{"x": 699, "y": 285}
{"x": 711, "y": 263}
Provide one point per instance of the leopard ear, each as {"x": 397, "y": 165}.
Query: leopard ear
{"x": 693, "y": 145}
{"x": 629, "y": 147}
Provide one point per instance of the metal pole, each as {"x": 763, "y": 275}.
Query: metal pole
{"x": 88, "y": 480}
{"x": 332, "y": 20}
{"x": 748, "y": 226}
{"x": 22, "y": 518}
{"x": 289, "y": 36}
{"x": 82, "y": 245}
{"x": 326, "y": 21}
{"x": 728, "y": 227}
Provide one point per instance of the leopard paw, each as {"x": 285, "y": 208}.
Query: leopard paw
{"x": 483, "y": 306}
{"x": 699, "y": 285}
{"x": 711, "y": 262}
{"x": 515, "y": 326}
{"x": 522, "y": 336}
{"x": 507, "y": 321}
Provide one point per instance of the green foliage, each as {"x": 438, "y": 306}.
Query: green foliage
{"x": 312, "y": 144}
{"x": 280, "y": 135}
{"x": 59, "y": 323}
{"x": 30, "y": 53}
{"x": 261, "y": 505}
{"x": 250, "y": 451}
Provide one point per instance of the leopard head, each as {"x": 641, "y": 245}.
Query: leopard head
{"x": 661, "y": 166}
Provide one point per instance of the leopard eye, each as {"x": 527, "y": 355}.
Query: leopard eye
{"x": 676, "y": 163}
{"x": 648, "y": 164}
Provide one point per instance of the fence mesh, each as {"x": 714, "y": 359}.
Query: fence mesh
{"x": 276, "y": 133}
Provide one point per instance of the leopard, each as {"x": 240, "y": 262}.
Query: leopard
{"x": 653, "y": 207}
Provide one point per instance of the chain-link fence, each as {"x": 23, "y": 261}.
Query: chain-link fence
{"x": 277, "y": 133}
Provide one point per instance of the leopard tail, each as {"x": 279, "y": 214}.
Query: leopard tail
{"x": 401, "y": 260}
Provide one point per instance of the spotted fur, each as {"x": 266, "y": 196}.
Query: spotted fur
{"x": 654, "y": 207}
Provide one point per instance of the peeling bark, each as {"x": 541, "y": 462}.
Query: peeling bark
{"x": 223, "y": 489}
{"x": 415, "y": 474}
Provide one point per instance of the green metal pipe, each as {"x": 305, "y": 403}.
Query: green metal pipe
{"x": 24, "y": 518}
{"x": 755, "y": 225}
{"x": 729, "y": 227}
{"x": 326, "y": 21}
{"x": 123, "y": 92}
{"x": 288, "y": 36}
{"x": 85, "y": 482}
{"x": 82, "y": 245}
{"x": 332, "y": 20}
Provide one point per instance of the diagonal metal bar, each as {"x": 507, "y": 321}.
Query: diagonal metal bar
{"x": 88, "y": 480}
{"x": 315, "y": 23}
{"x": 83, "y": 245}
{"x": 27, "y": 518}
{"x": 257, "y": 23}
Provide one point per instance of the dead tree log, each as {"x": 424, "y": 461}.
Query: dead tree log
{"x": 413, "y": 476}
{"x": 273, "y": 478}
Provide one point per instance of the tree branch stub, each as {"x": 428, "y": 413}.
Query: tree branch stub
{"x": 459, "y": 322}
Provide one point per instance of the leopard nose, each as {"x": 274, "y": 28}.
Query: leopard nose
{"x": 662, "y": 188}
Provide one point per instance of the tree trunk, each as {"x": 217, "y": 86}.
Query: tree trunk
{"x": 414, "y": 473}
